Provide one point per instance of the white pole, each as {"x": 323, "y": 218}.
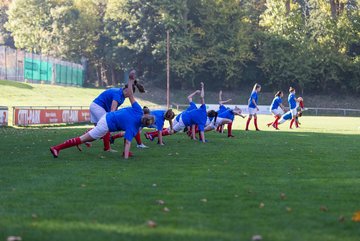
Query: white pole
{"x": 168, "y": 69}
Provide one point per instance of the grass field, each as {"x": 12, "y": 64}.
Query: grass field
{"x": 226, "y": 189}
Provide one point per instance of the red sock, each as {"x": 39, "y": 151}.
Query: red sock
{"x": 68, "y": 143}
{"x": 296, "y": 123}
{"x": 106, "y": 140}
{"x": 247, "y": 124}
{"x": 165, "y": 132}
{"x": 301, "y": 103}
{"x": 118, "y": 135}
{"x": 153, "y": 134}
{"x": 255, "y": 123}
{"x": 218, "y": 129}
{"x": 291, "y": 123}
{"x": 276, "y": 122}
{"x": 229, "y": 127}
{"x": 138, "y": 138}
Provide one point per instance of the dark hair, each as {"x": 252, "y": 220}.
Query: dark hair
{"x": 146, "y": 110}
{"x": 278, "y": 93}
{"x": 147, "y": 120}
{"x": 139, "y": 86}
{"x": 291, "y": 89}
{"x": 169, "y": 114}
{"x": 212, "y": 113}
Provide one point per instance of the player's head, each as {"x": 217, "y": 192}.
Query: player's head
{"x": 292, "y": 90}
{"x": 169, "y": 114}
{"x": 257, "y": 87}
{"x": 147, "y": 120}
{"x": 237, "y": 110}
{"x": 299, "y": 114}
{"x": 146, "y": 110}
{"x": 212, "y": 114}
{"x": 279, "y": 94}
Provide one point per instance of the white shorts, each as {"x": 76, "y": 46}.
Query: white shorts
{"x": 293, "y": 112}
{"x": 277, "y": 111}
{"x": 218, "y": 121}
{"x": 100, "y": 129}
{"x": 178, "y": 125}
{"x": 96, "y": 112}
{"x": 252, "y": 111}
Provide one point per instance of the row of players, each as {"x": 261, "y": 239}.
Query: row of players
{"x": 107, "y": 118}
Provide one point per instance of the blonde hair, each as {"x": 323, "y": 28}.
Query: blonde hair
{"x": 256, "y": 86}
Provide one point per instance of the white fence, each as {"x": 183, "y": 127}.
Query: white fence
{"x": 265, "y": 110}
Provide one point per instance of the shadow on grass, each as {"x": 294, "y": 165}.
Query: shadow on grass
{"x": 128, "y": 232}
{"x": 15, "y": 84}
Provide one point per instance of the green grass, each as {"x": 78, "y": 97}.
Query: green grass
{"x": 92, "y": 195}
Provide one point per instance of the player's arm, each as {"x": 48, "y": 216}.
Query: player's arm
{"x": 202, "y": 93}
{"x": 127, "y": 149}
{"x": 160, "y": 137}
{"x": 114, "y": 105}
{"x": 171, "y": 125}
{"x": 254, "y": 102}
{"x": 193, "y": 134}
{"x": 192, "y": 95}
{"x": 202, "y": 135}
{"x": 130, "y": 91}
{"x": 282, "y": 107}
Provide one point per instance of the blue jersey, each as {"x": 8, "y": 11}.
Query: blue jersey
{"x": 159, "y": 118}
{"x": 275, "y": 103}
{"x": 253, "y": 96}
{"x": 292, "y": 101}
{"x": 228, "y": 114}
{"x": 195, "y": 117}
{"x": 192, "y": 106}
{"x": 222, "y": 108}
{"x": 287, "y": 116}
{"x": 126, "y": 119}
{"x": 105, "y": 98}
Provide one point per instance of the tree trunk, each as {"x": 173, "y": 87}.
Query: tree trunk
{"x": 104, "y": 78}
{"x": 113, "y": 81}
{"x": 333, "y": 8}
{"x": 287, "y": 7}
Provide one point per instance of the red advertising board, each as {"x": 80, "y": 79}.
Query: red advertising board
{"x": 24, "y": 117}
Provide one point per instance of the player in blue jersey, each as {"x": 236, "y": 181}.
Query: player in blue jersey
{"x": 253, "y": 106}
{"x": 293, "y": 104}
{"x": 277, "y": 109}
{"x": 160, "y": 117}
{"x": 288, "y": 116}
{"x": 109, "y": 101}
{"x": 192, "y": 117}
{"x": 226, "y": 116}
{"x": 128, "y": 119}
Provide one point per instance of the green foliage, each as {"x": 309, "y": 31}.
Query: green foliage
{"x": 313, "y": 44}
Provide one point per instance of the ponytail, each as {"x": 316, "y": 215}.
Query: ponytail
{"x": 256, "y": 86}
{"x": 139, "y": 86}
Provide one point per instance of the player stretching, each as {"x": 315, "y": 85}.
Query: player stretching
{"x": 277, "y": 109}
{"x": 253, "y": 107}
{"x": 109, "y": 101}
{"x": 128, "y": 119}
{"x": 226, "y": 116}
{"x": 160, "y": 117}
